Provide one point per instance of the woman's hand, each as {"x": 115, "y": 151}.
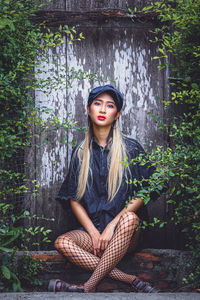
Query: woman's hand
{"x": 95, "y": 241}
{"x": 86, "y": 222}
{"x": 105, "y": 238}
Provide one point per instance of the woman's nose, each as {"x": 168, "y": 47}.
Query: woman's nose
{"x": 103, "y": 108}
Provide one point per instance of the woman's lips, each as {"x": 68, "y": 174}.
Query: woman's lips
{"x": 102, "y": 118}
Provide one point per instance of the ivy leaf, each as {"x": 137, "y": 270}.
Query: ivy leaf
{"x": 5, "y": 249}
{"x": 6, "y": 272}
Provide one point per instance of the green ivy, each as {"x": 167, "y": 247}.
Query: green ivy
{"x": 177, "y": 166}
{"x": 23, "y": 44}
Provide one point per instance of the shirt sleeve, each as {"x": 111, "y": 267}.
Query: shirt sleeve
{"x": 69, "y": 187}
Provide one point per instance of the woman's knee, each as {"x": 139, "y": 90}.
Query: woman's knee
{"x": 131, "y": 218}
{"x": 57, "y": 243}
{"x": 61, "y": 242}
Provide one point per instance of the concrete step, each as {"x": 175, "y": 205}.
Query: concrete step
{"x": 99, "y": 296}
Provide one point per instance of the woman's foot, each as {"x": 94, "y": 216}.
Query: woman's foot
{"x": 57, "y": 285}
{"x": 143, "y": 287}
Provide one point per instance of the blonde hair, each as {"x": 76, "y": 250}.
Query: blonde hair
{"x": 115, "y": 163}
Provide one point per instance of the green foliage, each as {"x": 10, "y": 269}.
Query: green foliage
{"x": 23, "y": 46}
{"x": 27, "y": 270}
{"x": 9, "y": 279}
{"x": 178, "y": 36}
{"x": 17, "y": 273}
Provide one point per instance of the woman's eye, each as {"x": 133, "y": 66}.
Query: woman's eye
{"x": 96, "y": 103}
{"x": 110, "y": 106}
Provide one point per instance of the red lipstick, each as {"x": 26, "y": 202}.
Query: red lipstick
{"x": 101, "y": 118}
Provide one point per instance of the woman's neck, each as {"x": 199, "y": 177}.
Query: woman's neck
{"x": 101, "y": 134}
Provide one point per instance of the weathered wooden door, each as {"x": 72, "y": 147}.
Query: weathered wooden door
{"x": 117, "y": 47}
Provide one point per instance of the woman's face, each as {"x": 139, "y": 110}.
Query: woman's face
{"x": 103, "y": 110}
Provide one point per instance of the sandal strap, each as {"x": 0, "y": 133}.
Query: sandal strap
{"x": 61, "y": 286}
{"x": 142, "y": 286}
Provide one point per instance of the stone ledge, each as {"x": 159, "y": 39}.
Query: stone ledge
{"x": 98, "y": 296}
{"x": 164, "y": 269}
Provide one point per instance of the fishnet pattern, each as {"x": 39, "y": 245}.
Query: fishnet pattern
{"x": 115, "y": 250}
{"x": 77, "y": 246}
{"x": 71, "y": 242}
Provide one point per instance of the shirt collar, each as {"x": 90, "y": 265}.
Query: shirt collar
{"x": 107, "y": 146}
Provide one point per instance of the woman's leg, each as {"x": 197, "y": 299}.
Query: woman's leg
{"x": 77, "y": 246}
{"x": 115, "y": 250}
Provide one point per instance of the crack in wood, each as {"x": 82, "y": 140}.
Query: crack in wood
{"x": 54, "y": 18}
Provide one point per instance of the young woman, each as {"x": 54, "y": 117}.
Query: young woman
{"x": 101, "y": 199}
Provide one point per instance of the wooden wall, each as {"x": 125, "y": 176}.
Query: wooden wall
{"x": 91, "y": 5}
{"x": 118, "y": 48}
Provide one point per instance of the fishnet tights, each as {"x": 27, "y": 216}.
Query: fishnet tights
{"x": 77, "y": 247}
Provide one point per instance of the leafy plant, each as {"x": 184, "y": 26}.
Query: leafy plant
{"x": 177, "y": 166}
{"x": 27, "y": 271}
{"x": 23, "y": 44}
{"x": 18, "y": 273}
{"x": 9, "y": 279}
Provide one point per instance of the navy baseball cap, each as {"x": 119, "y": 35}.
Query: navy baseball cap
{"x": 114, "y": 93}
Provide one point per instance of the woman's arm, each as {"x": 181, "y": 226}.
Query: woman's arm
{"x": 83, "y": 218}
{"x": 133, "y": 206}
{"x": 108, "y": 232}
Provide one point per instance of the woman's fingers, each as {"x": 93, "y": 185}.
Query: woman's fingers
{"x": 102, "y": 245}
{"x": 103, "y": 240}
{"x": 106, "y": 245}
{"x": 105, "y": 237}
{"x": 96, "y": 250}
{"x": 95, "y": 242}
{"x": 99, "y": 244}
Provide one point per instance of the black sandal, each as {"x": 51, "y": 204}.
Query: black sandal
{"x": 143, "y": 287}
{"x": 57, "y": 285}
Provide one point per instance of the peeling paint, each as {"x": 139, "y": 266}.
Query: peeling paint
{"x": 56, "y": 102}
{"x": 119, "y": 53}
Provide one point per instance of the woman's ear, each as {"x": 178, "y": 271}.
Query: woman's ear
{"x": 118, "y": 115}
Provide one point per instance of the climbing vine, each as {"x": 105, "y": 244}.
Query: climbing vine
{"x": 177, "y": 166}
{"x": 23, "y": 44}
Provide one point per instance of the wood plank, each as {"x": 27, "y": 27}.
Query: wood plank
{"x": 86, "y": 5}
{"x": 54, "y": 5}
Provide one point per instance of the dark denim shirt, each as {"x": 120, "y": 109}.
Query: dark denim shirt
{"x": 100, "y": 211}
